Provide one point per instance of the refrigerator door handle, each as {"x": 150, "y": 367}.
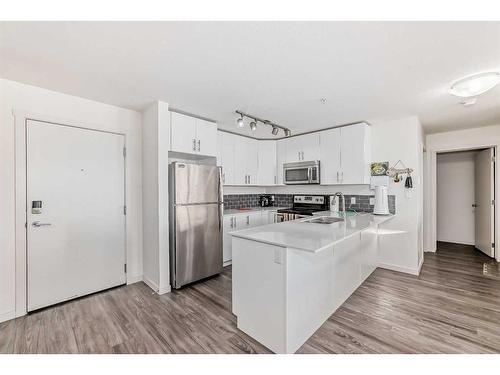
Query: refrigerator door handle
{"x": 221, "y": 199}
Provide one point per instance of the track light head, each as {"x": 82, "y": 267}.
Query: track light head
{"x": 253, "y": 125}
{"x": 240, "y": 122}
{"x": 288, "y": 132}
{"x": 275, "y": 130}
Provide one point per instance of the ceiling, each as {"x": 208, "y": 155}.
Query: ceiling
{"x": 276, "y": 70}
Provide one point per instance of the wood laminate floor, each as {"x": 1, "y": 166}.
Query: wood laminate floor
{"x": 452, "y": 307}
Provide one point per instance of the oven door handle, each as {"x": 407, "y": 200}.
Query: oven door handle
{"x": 309, "y": 174}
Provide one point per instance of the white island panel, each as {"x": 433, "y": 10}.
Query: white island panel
{"x": 281, "y": 296}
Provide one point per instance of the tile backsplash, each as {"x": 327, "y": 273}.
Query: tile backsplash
{"x": 286, "y": 200}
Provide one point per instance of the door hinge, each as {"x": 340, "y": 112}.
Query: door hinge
{"x": 125, "y": 267}
{"x": 493, "y": 245}
{"x": 492, "y": 202}
{"x": 124, "y": 152}
{"x": 124, "y": 210}
{"x": 493, "y": 159}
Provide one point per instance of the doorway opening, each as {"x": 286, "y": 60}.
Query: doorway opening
{"x": 465, "y": 200}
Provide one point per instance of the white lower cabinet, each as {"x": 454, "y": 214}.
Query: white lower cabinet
{"x": 241, "y": 221}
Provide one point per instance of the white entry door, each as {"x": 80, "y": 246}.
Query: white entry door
{"x": 484, "y": 202}
{"x": 75, "y": 212}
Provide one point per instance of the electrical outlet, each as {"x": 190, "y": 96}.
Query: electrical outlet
{"x": 372, "y": 201}
{"x": 353, "y": 200}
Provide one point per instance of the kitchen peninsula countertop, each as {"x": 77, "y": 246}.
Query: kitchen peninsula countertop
{"x": 299, "y": 234}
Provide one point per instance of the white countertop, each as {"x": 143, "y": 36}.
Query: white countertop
{"x": 311, "y": 237}
{"x": 236, "y": 211}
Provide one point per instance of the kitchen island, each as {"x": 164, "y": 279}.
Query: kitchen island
{"x": 289, "y": 277}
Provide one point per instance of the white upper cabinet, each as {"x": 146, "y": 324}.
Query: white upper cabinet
{"x": 252, "y": 161}
{"x": 330, "y": 156}
{"x": 345, "y": 155}
{"x": 267, "y": 163}
{"x": 355, "y": 151}
{"x": 182, "y": 133}
{"x": 302, "y": 148}
{"x": 225, "y": 156}
{"x": 191, "y": 135}
{"x": 206, "y": 137}
{"x": 280, "y": 159}
{"x": 239, "y": 158}
{"x": 240, "y": 161}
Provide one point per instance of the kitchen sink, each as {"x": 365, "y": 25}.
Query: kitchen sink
{"x": 324, "y": 220}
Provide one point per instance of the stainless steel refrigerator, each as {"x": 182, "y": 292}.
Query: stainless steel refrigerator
{"x": 196, "y": 209}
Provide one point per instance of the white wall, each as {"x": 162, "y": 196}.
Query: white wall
{"x": 394, "y": 140}
{"x": 41, "y": 103}
{"x": 459, "y": 140}
{"x": 455, "y": 196}
{"x": 155, "y": 145}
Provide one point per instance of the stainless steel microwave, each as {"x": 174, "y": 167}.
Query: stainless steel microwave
{"x": 301, "y": 173}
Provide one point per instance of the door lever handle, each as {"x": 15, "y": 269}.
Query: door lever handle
{"x": 38, "y": 224}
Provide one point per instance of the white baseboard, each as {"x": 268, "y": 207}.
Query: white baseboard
{"x": 420, "y": 265}
{"x": 150, "y": 283}
{"x": 155, "y": 287}
{"x": 7, "y": 315}
{"x": 227, "y": 263}
{"x": 393, "y": 267}
{"x": 133, "y": 279}
{"x": 457, "y": 242}
{"x": 164, "y": 290}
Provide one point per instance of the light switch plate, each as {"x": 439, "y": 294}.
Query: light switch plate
{"x": 353, "y": 200}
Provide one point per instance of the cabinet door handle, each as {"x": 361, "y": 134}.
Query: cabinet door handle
{"x": 248, "y": 220}
{"x": 223, "y": 177}
{"x": 337, "y": 176}
{"x": 194, "y": 144}
{"x": 299, "y": 155}
{"x": 342, "y": 178}
{"x": 199, "y": 145}
{"x": 249, "y": 179}
{"x": 275, "y": 180}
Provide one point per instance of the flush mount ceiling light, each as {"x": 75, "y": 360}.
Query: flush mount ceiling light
{"x": 255, "y": 120}
{"x": 475, "y": 84}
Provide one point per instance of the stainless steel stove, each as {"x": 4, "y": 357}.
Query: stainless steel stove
{"x": 304, "y": 206}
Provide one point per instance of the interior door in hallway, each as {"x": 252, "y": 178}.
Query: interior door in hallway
{"x": 75, "y": 212}
{"x": 484, "y": 201}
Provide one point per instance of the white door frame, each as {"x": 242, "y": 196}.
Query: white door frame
{"x": 20, "y": 120}
{"x": 432, "y": 189}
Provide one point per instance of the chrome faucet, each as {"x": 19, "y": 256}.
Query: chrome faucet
{"x": 339, "y": 194}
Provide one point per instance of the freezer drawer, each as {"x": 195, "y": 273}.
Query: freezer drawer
{"x": 198, "y": 243}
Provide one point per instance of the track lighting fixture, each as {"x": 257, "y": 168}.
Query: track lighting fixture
{"x": 255, "y": 120}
